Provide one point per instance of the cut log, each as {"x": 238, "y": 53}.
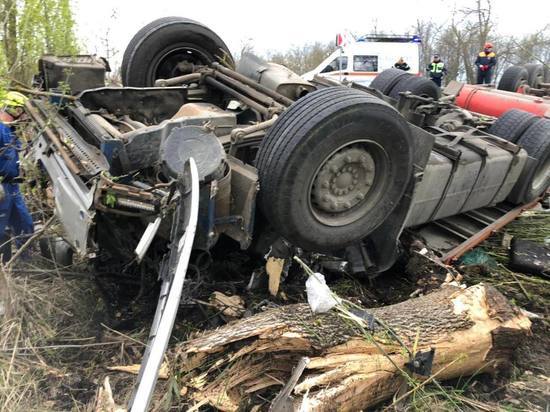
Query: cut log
{"x": 472, "y": 330}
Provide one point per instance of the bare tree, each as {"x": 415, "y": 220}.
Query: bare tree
{"x": 302, "y": 59}
{"x": 458, "y": 43}
{"x": 428, "y": 31}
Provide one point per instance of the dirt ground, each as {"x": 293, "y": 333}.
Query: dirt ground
{"x": 63, "y": 328}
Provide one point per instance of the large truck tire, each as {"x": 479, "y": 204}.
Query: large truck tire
{"x": 385, "y": 81}
{"x": 419, "y": 86}
{"x": 535, "y": 178}
{"x": 158, "y": 48}
{"x": 535, "y": 73}
{"x": 333, "y": 167}
{"x": 512, "y": 124}
{"x": 512, "y": 78}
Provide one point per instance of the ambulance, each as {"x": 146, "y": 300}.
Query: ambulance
{"x": 361, "y": 59}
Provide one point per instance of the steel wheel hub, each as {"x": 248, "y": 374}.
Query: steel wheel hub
{"x": 344, "y": 180}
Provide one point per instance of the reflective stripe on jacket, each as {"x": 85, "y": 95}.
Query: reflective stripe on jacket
{"x": 437, "y": 69}
{"x": 486, "y": 59}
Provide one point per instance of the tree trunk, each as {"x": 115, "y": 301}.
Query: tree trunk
{"x": 472, "y": 330}
{"x": 10, "y": 30}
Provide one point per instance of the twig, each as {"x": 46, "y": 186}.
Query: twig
{"x": 40, "y": 93}
{"x": 13, "y": 352}
{"x": 477, "y": 404}
{"x": 34, "y": 236}
{"x": 123, "y": 335}
{"x": 85, "y": 345}
{"x": 280, "y": 401}
{"x": 521, "y": 286}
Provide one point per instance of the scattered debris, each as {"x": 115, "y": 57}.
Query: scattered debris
{"x": 105, "y": 401}
{"x": 164, "y": 372}
{"x": 230, "y": 306}
{"x": 274, "y": 268}
{"x": 283, "y": 400}
{"x": 477, "y": 256}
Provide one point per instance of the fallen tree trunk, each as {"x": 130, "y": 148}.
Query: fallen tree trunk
{"x": 472, "y": 331}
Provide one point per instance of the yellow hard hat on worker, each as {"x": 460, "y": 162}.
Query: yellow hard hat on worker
{"x": 13, "y": 99}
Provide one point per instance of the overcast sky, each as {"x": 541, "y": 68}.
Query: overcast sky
{"x": 279, "y": 24}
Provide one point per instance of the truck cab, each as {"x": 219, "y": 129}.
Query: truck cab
{"x": 361, "y": 60}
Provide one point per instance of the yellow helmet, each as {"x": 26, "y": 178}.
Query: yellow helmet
{"x": 14, "y": 99}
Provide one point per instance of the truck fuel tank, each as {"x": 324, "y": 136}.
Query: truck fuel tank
{"x": 467, "y": 169}
{"x": 493, "y": 102}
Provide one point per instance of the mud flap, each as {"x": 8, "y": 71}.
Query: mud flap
{"x": 173, "y": 276}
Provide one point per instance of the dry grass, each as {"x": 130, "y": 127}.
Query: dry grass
{"x": 53, "y": 344}
{"x": 531, "y": 225}
{"x": 528, "y": 291}
{"x": 54, "y": 348}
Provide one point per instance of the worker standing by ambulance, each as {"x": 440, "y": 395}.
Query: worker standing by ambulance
{"x": 485, "y": 62}
{"x": 13, "y": 210}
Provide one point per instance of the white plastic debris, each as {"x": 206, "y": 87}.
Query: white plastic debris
{"x": 319, "y": 295}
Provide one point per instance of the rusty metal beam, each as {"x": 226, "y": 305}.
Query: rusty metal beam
{"x": 174, "y": 81}
{"x": 249, "y": 82}
{"x": 483, "y": 234}
{"x": 249, "y": 102}
{"x": 33, "y": 113}
{"x": 246, "y": 89}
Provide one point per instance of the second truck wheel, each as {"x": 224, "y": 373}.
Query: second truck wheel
{"x": 333, "y": 167}
{"x": 166, "y": 47}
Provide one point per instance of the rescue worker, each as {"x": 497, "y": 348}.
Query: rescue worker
{"x": 401, "y": 64}
{"x": 13, "y": 211}
{"x": 485, "y": 62}
{"x": 436, "y": 70}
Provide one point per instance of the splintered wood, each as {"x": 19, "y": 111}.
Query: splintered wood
{"x": 472, "y": 330}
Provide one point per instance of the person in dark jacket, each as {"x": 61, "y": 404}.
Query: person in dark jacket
{"x": 485, "y": 62}
{"x": 436, "y": 70}
{"x": 401, "y": 64}
{"x": 13, "y": 210}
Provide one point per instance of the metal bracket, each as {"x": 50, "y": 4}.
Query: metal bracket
{"x": 369, "y": 319}
{"x": 421, "y": 363}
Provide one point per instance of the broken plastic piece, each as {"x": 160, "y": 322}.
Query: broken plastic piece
{"x": 319, "y": 296}
{"x": 147, "y": 238}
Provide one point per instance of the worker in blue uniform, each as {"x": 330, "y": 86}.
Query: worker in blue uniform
{"x": 485, "y": 63}
{"x": 14, "y": 213}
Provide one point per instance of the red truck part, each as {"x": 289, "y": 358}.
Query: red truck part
{"x": 493, "y": 102}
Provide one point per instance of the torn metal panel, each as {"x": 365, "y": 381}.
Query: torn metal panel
{"x": 168, "y": 304}
{"x": 73, "y": 199}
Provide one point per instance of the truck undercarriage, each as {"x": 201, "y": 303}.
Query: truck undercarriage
{"x": 114, "y": 156}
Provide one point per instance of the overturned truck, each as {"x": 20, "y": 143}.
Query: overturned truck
{"x": 330, "y": 170}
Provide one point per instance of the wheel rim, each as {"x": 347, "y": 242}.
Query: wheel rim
{"x": 172, "y": 62}
{"x": 522, "y": 82}
{"x": 348, "y": 182}
{"x": 539, "y": 78}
